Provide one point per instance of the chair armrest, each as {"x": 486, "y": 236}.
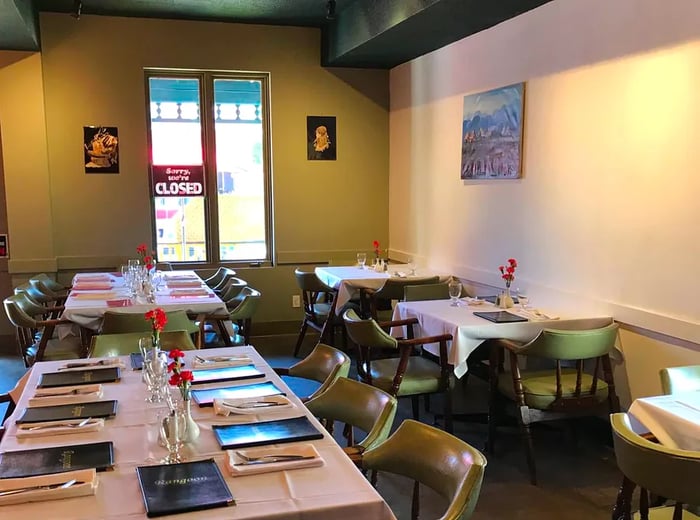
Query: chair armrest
{"x": 5, "y": 398}
{"x": 512, "y": 346}
{"x": 282, "y": 371}
{"x": 424, "y": 340}
{"x": 398, "y": 323}
{"x": 54, "y": 322}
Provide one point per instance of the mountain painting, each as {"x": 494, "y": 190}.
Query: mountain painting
{"x": 492, "y": 130}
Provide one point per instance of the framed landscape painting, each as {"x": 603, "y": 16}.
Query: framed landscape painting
{"x": 492, "y": 133}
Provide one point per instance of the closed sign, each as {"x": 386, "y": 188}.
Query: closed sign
{"x": 177, "y": 181}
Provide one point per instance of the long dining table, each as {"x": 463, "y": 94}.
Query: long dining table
{"x": 468, "y": 330}
{"x": 335, "y": 490}
{"x": 95, "y": 293}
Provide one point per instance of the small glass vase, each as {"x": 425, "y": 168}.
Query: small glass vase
{"x": 505, "y": 300}
{"x": 191, "y": 433}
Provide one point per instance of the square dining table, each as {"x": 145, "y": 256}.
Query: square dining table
{"x": 469, "y": 330}
{"x": 336, "y": 490}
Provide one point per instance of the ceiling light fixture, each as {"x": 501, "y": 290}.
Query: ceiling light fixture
{"x": 77, "y": 9}
{"x": 330, "y": 10}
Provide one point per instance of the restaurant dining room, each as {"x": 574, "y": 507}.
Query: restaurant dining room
{"x": 334, "y": 259}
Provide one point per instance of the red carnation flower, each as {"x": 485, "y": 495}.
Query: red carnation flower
{"x": 175, "y": 380}
{"x": 186, "y": 375}
{"x": 176, "y": 353}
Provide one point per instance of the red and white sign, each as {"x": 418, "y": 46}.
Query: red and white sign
{"x": 3, "y": 247}
{"x": 178, "y": 181}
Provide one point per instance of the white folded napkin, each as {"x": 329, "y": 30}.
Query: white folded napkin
{"x": 65, "y": 395}
{"x": 50, "y": 428}
{"x": 539, "y": 315}
{"x": 183, "y": 283}
{"x": 400, "y": 274}
{"x": 305, "y": 450}
{"x": 474, "y": 301}
{"x": 93, "y": 295}
{"x": 205, "y": 362}
{"x": 91, "y": 278}
{"x": 89, "y": 364}
{"x": 86, "y": 484}
{"x": 252, "y": 405}
{"x": 185, "y": 293}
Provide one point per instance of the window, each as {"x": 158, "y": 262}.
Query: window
{"x": 217, "y": 123}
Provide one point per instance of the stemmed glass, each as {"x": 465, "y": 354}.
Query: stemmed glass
{"x": 172, "y": 426}
{"x": 522, "y": 298}
{"x": 411, "y": 264}
{"x": 455, "y": 291}
{"x": 155, "y": 369}
{"x": 361, "y": 259}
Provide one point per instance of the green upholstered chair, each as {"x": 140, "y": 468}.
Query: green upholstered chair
{"x": 436, "y": 459}
{"x": 55, "y": 291}
{"x": 51, "y": 284}
{"x": 541, "y": 395}
{"x": 231, "y": 289}
{"x": 357, "y": 405}
{"x": 115, "y": 322}
{"x": 317, "y": 300}
{"x": 680, "y": 379}
{"x": 35, "y": 340}
{"x": 34, "y": 293}
{"x": 405, "y": 375}
{"x": 428, "y": 291}
{"x": 666, "y": 472}
{"x": 218, "y": 277}
{"x": 111, "y": 345}
{"x": 241, "y": 309}
{"x": 324, "y": 364}
{"x": 378, "y": 303}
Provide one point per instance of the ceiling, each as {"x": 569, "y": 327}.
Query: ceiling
{"x": 363, "y": 33}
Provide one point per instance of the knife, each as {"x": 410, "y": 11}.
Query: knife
{"x": 63, "y": 485}
{"x": 257, "y": 404}
{"x": 271, "y": 460}
{"x": 82, "y": 365}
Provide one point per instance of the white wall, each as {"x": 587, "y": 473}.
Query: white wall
{"x": 606, "y": 210}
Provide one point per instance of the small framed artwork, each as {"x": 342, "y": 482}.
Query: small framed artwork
{"x": 101, "y": 149}
{"x": 492, "y": 134}
{"x": 321, "y": 138}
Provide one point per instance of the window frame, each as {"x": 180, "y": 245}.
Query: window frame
{"x": 207, "y": 111}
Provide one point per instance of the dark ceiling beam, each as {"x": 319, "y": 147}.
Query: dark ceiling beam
{"x": 386, "y": 33}
{"x": 19, "y": 26}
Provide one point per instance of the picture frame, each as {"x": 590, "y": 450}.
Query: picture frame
{"x": 492, "y": 133}
{"x": 101, "y": 149}
{"x": 321, "y": 138}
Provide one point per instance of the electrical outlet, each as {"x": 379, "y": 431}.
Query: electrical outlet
{"x": 296, "y": 300}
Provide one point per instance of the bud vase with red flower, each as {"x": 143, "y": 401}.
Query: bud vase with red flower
{"x": 182, "y": 379}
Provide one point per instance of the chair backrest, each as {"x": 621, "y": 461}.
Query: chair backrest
{"x": 324, "y": 364}
{"x": 41, "y": 286}
{"x": 313, "y": 291}
{"x": 50, "y": 282}
{"x": 248, "y": 300}
{"x": 124, "y": 343}
{"x": 393, "y": 288}
{"x": 29, "y": 306}
{"x": 367, "y": 333}
{"x": 164, "y": 266}
{"x": 680, "y": 379}
{"x": 216, "y": 278}
{"x": 366, "y": 407}
{"x": 33, "y": 293}
{"x": 666, "y": 472}
{"x": 115, "y": 322}
{"x": 219, "y": 287}
{"x": 432, "y": 291}
{"x": 433, "y": 457}
{"x": 232, "y": 288}
{"x": 16, "y": 313}
{"x": 573, "y": 344}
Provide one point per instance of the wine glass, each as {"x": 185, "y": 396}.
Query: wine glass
{"x": 523, "y": 299}
{"x": 361, "y": 259}
{"x": 172, "y": 427}
{"x": 411, "y": 264}
{"x": 455, "y": 291}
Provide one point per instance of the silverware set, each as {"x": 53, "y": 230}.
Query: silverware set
{"x": 57, "y": 424}
{"x": 270, "y": 459}
{"x": 60, "y": 485}
{"x": 74, "y": 391}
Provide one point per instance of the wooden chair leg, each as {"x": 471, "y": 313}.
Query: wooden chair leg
{"x": 415, "y": 405}
{"x": 300, "y": 339}
{"x": 527, "y": 440}
{"x": 623, "y": 505}
{"x": 448, "y": 411}
{"x": 426, "y": 403}
{"x": 415, "y": 505}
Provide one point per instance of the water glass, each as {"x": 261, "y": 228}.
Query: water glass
{"x": 455, "y": 291}
{"x": 172, "y": 427}
{"x": 361, "y": 260}
{"x": 523, "y": 299}
{"x": 411, "y": 265}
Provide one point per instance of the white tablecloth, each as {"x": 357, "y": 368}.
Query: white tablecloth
{"x": 88, "y": 313}
{"x": 336, "y": 490}
{"x": 350, "y": 279}
{"x": 469, "y": 331}
{"x": 673, "y": 419}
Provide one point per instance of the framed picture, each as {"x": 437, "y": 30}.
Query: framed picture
{"x": 321, "y": 138}
{"x": 101, "y": 149}
{"x": 492, "y": 134}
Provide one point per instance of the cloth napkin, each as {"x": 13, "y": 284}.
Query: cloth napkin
{"x": 86, "y": 485}
{"x": 79, "y": 278}
{"x": 183, "y": 283}
{"x": 206, "y": 362}
{"x": 60, "y": 395}
{"x": 537, "y": 314}
{"x": 92, "y": 295}
{"x": 236, "y": 406}
{"x": 124, "y": 302}
{"x": 25, "y": 431}
{"x": 189, "y": 293}
{"x": 475, "y": 301}
{"x": 181, "y": 277}
{"x": 92, "y": 286}
{"x": 307, "y": 450}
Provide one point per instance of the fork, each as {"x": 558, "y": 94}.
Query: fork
{"x": 60, "y": 425}
{"x": 75, "y": 391}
